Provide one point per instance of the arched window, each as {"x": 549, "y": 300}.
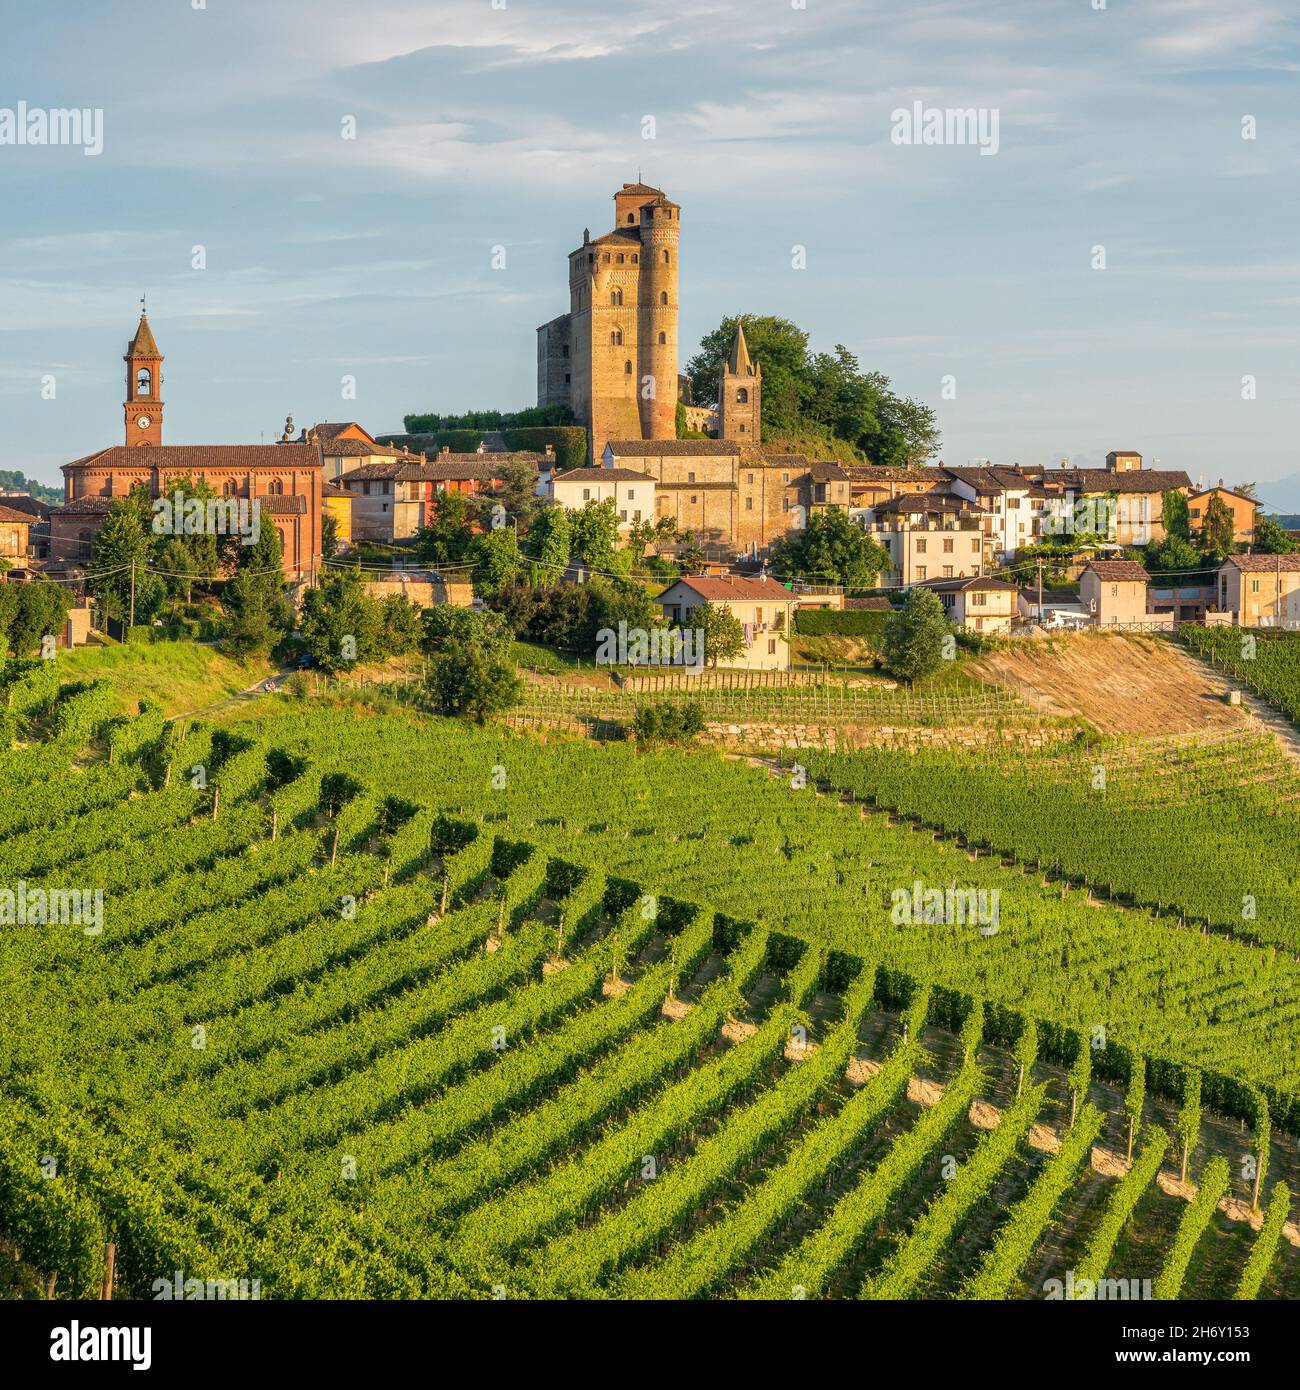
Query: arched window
{"x": 633, "y": 257}
{"x": 665, "y": 257}
{"x": 663, "y": 296}
{"x": 742, "y": 396}
{"x": 144, "y": 382}
{"x": 631, "y": 217}
{"x": 627, "y": 369}
{"x": 616, "y": 297}
{"x": 663, "y": 338}
{"x": 621, "y": 258}
{"x": 275, "y": 488}
{"x": 228, "y": 488}
{"x": 616, "y": 338}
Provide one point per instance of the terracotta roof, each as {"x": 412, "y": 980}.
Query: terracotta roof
{"x": 628, "y": 236}
{"x": 359, "y": 448}
{"x": 21, "y": 502}
{"x": 653, "y": 448}
{"x": 596, "y": 475}
{"x": 923, "y": 502}
{"x": 721, "y": 588}
{"x": 488, "y": 456}
{"x": 189, "y": 458}
{"x": 1264, "y": 564}
{"x": 1118, "y": 571}
{"x": 83, "y": 506}
{"x": 1123, "y": 453}
{"x": 8, "y": 514}
{"x": 870, "y": 473}
{"x": 400, "y": 472}
{"x": 1231, "y": 492}
{"x": 292, "y": 505}
{"x": 329, "y": 490}
{"x": 639, "y": 187}
{"x": 1103, "y": 480}
{"x": 827, "y": 471}
{"x": 143, "y": 345}
{"x": 330, "y": 429}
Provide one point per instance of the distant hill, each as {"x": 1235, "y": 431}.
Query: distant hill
{"x": 18, "y": 482}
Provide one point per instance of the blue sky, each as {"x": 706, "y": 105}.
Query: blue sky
{"x": 480, "y": 126}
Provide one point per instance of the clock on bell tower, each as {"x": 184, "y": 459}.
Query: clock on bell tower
{"x": 143, "y": 386}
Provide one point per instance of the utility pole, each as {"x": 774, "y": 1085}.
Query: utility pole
{"x": 131, "y": 624}
{"x": 1040, "y": 588}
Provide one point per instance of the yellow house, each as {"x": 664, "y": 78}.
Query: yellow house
{"x": 764, "y": 608}
{"x": 15, "y": 529}
{"x": 337, "y": 502}
{"x": 1114, "y": 592}
{"x": 1262, "y": 590}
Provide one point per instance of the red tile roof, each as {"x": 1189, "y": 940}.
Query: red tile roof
{"x": 1264, "y": 564}
{"x": 721, "y": 588}
{"x": 1119, "y": 571}
{"x": 8, "y": 514}
{"x": 178, "y": 459}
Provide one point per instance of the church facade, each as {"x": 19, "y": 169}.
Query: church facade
{"x": 285, "y": 478}
{"x": 613, "y": 357}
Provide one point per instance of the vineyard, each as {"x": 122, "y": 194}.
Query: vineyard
{"x": 386, "y": 1007}
{"x": 1268, "y": 662}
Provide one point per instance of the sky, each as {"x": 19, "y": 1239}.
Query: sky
{"x": 974, "y": 280}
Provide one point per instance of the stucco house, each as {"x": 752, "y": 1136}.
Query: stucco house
{"x": 764, "y": 608}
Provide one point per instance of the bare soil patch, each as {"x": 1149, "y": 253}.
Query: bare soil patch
{"x": 1108, "y": 1163}
{"x": 734, "y": 1030}
{"x": 1121, "y": 683}
{"x": 860, "y": 1070}
{"x": 675, "y": 1009}
{"x": 1044, "y": 1138}
{"x": 984, "y": 1116}
{"x": 924, "y": 1092}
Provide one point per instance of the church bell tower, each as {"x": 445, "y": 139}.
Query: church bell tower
{"x": 143, "y": 387}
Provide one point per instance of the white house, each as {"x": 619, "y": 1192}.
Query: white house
{"x": 632, "y": 492}
{"x": 764, "y": 608}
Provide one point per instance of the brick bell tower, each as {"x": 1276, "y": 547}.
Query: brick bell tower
{"x": 144, "y": 405}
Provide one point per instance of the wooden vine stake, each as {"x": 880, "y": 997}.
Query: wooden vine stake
{"x": 216, "y": 799}
{"x": 334, "y": 847}
{"x": 110, "y": 1264}
{"x": 275, "y": 823}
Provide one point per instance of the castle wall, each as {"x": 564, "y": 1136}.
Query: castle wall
{"x": 554, "y": 361}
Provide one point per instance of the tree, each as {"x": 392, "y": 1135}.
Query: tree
{"x": 1173, "y": 556}
{"x": 831, "y": 549}
{"x": 255, "y": 600}
{"x": 340, "y": 623}
{"x": 550, "y": 538}
{"x": 472, "y": 684}
{"x": 124, "y": 548}
{"x": 515, "y": 490}
{"x": 915, "y": 636}
{"x": 643, "y": 534}
{"x": 447, "y": 538}
{"x": 496, "y": 559}
{"x": 32, "y": 612}
{"x": 471, "y": 674}
{"x": 1173, "y": 512}
{"x": 595, "y": 534}
{"x": 724, "y": 635}
{"x": 808, "y": 394}
{"x": 400, "y": 627}
{"x": 329, "y": 535}
{"x": 1218, "y": 531}
{"x": 1271, "y": 539}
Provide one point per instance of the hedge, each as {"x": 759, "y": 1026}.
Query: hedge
{"x": 852, "y": 622}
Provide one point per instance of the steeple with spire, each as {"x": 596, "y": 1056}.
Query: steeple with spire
{"x": 740, "y": 394}
{"x": 143, "y": 404}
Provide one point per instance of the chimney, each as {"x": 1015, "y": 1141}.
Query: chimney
{"x": 550, "y": 451}
{"x": 446, "y": 449}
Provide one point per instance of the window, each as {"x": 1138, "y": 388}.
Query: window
{"x": 758, "y": 615}
{"x": 634, "y": 257}
{"x": 564, "y": 351}
{"x": 1254, "y": 586}
{"x": 975, "y": 543}
{"x": 616, "y": 297}
{"x": 631, "y": 217}
{"x": 1114, "y": 591}
{"x": 663, "y": 339}
{"x": 947, "y": 545}
{"x": 566, "y": 378}
{"x": 1013, "y": 502}
{"x": 365, "y": 489}
{"x": 144, "y": 382}
{"x": 636, "y": 515}
{"x": 631, "y": 494}
{"x": 586, "y": 494}
{"x": 785, "y": 477}
{"x": 1193, "y": 512}
{"x": 622, "y": 516}
{"x": 980, "y": 600}
{"x": 947, "y": 571}
{"x": 920, "y": 547}
{"x": 690, "y": 477}
{"x": 920, "y": 571}
{"x": 785, "y": 504}
{"x": 627, "y": 367}
{"x": 742, "y": 429}
{"x": 616, "y": 338}
{"x": 749, "y": 504}
{"x": 621, "y": 258}
{"x": 771, "y": 646}
{"x": 742, "y": 395}
{"x": 693, "y": 499}
{"x": 275, "y": 488}
{"x": 665, "y": 257}
{"x": 979, "y": 623}
{"x": 749, "y": 478}
{"x": 605, "y": 258}
{"x": 663, "y": 296}
{"x": 228, "y": 488}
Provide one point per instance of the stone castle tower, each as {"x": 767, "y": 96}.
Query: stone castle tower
{"x": 143, "y": 403}
{"x": 613, "y": 357}
{"x": 740, "y": 394}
